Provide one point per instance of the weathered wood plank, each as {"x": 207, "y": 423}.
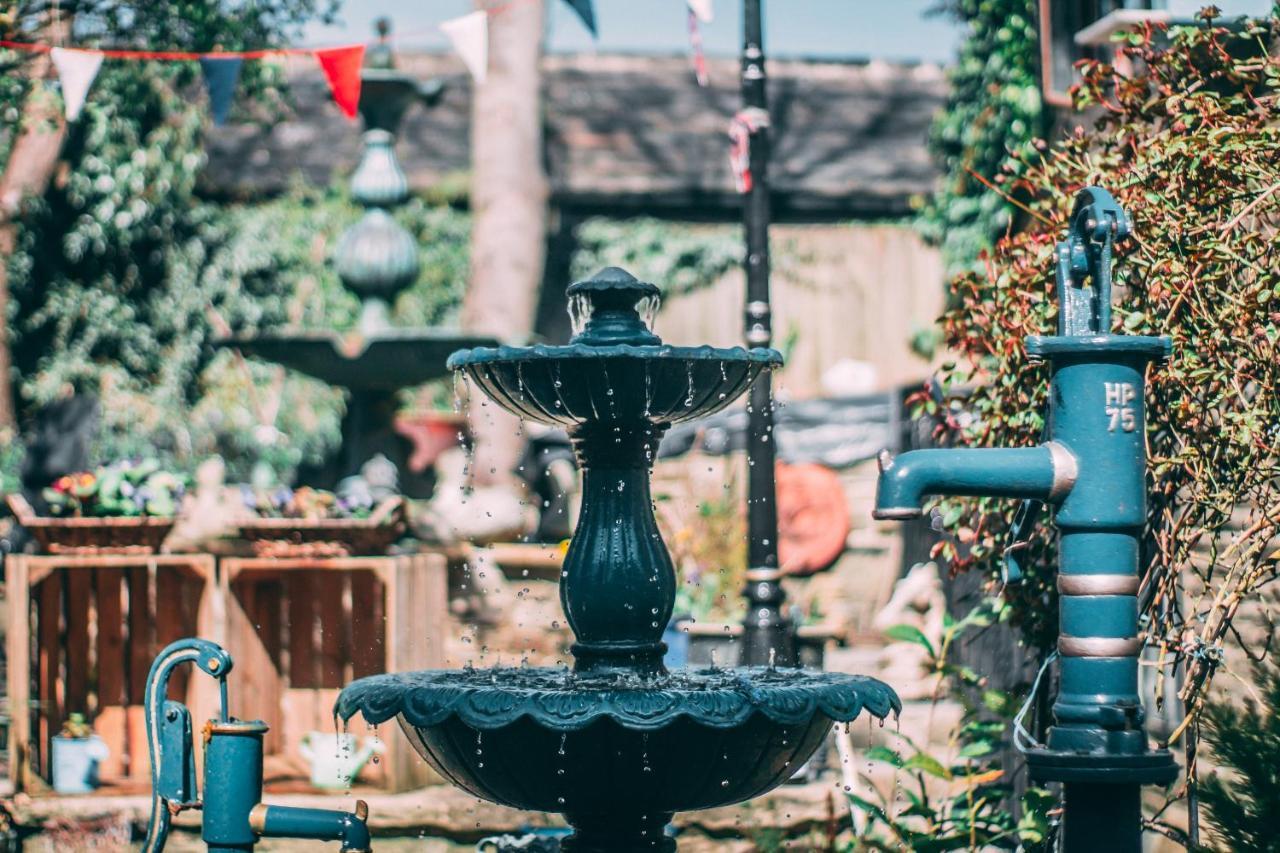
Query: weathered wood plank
{"x": 109, "y": 718}
{"x": 79, "y": 585}
{"x": 18, "y": 661}
{"x": 368, "y": 624}
{"x": 50, "y": 674}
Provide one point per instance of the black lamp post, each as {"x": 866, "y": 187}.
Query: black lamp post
{"x": 767, "y": 635}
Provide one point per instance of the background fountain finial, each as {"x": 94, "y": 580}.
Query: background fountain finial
{"x": 379, "y": 55}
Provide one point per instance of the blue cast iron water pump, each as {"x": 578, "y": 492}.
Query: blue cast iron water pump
{"x": 234, "y": 816}
{"x": 1092, "y": 471}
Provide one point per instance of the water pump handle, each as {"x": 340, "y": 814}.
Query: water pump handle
{"x": 169, "y": 741}
{"x": 1098, "y": 222}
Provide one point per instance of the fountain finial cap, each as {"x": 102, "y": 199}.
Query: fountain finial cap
{"x": 613, "y": 307}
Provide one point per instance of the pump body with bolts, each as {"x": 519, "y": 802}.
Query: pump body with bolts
{"x": 1092, "y": 471}
{"x": 234, "y": 816}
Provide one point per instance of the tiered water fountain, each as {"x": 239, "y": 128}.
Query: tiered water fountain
{"x": 376, "y": 258}
{"x": 617, "y": 743}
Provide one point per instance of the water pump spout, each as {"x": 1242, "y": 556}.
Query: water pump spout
{"x": 1043, "y": 473}
{"x": 350, "y": 828}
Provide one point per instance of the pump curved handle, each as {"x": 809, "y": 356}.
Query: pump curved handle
{"x": 1098, "y": 222}
{"x": 169, "y": 742}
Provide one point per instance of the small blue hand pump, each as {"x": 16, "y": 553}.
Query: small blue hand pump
{"x": 234, "y": 816}
{"x": 1091, "y": 469}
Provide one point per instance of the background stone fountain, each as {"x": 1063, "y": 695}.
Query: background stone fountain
{"x": 617, "y": 743}
{"x": 376, "y": 259}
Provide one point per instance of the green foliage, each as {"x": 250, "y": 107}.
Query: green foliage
{"x": 1189, "y": 146}
{"x": 147, "y": 349}
{"x": 11, "y": 453}
{"x": 1242, "y": 797}
{"x": 956, "y": 801}
{"x": 677, "y": 257}
{"x": 115, "y": 285}
{"x": 993, "y": 111}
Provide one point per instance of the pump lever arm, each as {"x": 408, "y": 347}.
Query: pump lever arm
{"x": 169, "y": 741}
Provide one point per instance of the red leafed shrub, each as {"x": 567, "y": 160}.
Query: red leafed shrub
{"x": 1189, "y": 144}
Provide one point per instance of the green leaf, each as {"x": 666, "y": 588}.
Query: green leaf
{"x": 928, "y": 764}
{"x": 910, "y": 634}
{"x": 885, "y": 755}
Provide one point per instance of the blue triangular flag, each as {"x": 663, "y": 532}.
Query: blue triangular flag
{"x": 586, "y": 12}
{"x": 221, "y": 73}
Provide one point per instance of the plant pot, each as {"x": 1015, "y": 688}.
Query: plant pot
{"x": 75, "y": 763}
{"x": 431, "y": 433}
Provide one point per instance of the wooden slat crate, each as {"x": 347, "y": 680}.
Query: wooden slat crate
{"x": 83, "y": 630}
{"x": 299, "y": 629}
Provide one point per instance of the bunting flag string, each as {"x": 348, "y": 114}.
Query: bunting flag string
{"x": 221, "y": 73}
{"x": 469, "y": 36}
{"x": 341, "y": 67}
{"x": 77, "y": 69}
{"x": 586, "y": 11}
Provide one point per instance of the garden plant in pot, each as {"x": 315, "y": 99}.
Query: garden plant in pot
{"x": 77, "y": 753}
{"x": 127, "y": 506}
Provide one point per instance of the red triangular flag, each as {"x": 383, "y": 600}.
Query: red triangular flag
{"x": 341, "y": 67}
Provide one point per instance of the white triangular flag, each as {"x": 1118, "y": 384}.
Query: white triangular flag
{"x": 77, "y": 70}
{"x": 703, "y": 9}
{"x": 470, "y": 38}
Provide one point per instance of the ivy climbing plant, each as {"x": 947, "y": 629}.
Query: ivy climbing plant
{"x": 993, "y": 112}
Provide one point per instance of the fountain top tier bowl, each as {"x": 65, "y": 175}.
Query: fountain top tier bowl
{"x": 614, "y": 369}
{"x": 618, "y": 743}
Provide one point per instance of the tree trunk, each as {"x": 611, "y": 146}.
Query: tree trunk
{"x": 509, "y": 214}
{"x": 33, "y": 160}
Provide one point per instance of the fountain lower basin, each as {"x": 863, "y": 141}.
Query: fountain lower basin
{"x": 551, "y": 740}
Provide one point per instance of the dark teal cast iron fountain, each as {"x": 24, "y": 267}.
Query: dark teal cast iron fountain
{"x": 617, "y": 744}
{"x": 376, "y": 258}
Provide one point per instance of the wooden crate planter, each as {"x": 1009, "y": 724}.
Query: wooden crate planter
{"x": 300, "y": 628}
{"x": 83, "y": 630}
{"x": 310, "y": 538}
{"x": 91, "y": 535}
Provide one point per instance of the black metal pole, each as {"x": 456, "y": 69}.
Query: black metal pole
{"x": 767, "y": 635}
{"x": 1100, "y": 817}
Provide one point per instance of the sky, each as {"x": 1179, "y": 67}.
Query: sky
{"x": 843, "y": 29}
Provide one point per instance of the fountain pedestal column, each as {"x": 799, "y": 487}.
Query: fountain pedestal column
{"x": 619, "y": 833}
{"x": 618, "y": 583}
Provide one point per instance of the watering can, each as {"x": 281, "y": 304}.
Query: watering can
{"x": 336, "y": 759}
{"x": 235, "y": 818}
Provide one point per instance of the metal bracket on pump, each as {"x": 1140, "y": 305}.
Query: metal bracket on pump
{"x": 169, "y": 742}
{"x": 1098, "y": 222}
